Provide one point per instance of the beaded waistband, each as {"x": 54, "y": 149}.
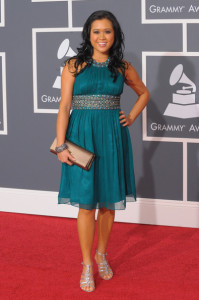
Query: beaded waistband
{"x": 95, "y": 102}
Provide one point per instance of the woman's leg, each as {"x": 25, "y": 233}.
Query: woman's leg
{"x": 86, "y": 231}
{"x": 105, "y": 221}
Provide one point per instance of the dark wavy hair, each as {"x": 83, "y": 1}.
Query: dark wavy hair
{"x": 85, "y": 52}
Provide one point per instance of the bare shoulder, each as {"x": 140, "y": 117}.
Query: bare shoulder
{"x": 126, "y": 63}
{"x": 71, "y": 67}
{"x": 130, "y": 70}
{"x": 128, "y": 66}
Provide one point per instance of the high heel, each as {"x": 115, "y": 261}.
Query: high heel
{"x": 86, "y": 279}
{"x": 104, "y": 267}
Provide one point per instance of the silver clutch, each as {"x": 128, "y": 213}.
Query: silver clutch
{"x": 84, "y": 158}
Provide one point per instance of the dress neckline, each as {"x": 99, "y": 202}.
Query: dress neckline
{"x": 101, "y": 64}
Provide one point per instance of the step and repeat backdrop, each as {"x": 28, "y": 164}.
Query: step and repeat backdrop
{"x": 161, "y": 42}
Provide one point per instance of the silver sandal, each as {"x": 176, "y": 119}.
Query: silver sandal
{"x": 104, "y": 267}
{"x": 86, "y": 279}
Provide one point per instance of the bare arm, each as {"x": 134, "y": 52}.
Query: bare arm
{"x": 67, "y": 83}
{"x": 141, "y": 90}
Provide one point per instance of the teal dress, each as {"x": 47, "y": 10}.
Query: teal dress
{"x": 95, "y": 125}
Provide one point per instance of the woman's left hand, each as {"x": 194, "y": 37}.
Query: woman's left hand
{"x": 124, "y": 120}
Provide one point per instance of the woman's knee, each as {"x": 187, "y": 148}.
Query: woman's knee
{"x": 87, "y": 212}
{"x": 107, "y": 210}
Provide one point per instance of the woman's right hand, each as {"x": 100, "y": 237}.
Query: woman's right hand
{"x": 65, "y": 157}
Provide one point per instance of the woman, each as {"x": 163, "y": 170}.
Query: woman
{"x": 91, "y": 83}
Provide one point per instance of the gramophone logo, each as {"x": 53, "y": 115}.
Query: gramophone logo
{"x": 50, "y": 50}
{"x": 64, "y": 50}
{"x": 183, "y": 103}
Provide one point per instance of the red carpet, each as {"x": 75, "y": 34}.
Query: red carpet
{"x": 41, "y": 259}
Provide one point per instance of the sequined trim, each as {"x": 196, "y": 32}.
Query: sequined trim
{"x": 95, "y": 102}
{"x": 101, "y": 64}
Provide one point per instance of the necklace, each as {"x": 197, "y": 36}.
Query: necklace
{"x": 101, "y": 64}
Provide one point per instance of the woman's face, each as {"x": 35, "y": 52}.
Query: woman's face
{"x": 101, "y": 36}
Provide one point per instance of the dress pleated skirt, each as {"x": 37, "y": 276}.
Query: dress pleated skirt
{"x": 110, "y": 182}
